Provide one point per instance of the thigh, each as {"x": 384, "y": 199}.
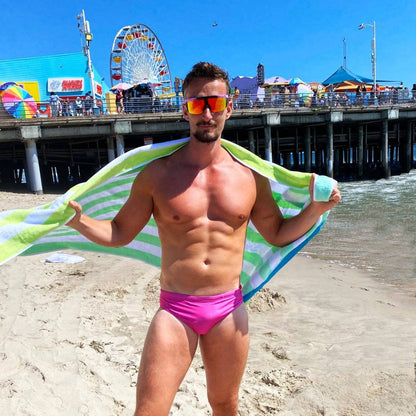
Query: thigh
{"x": 167, "y": 355}
{"x": 224, "y": 351}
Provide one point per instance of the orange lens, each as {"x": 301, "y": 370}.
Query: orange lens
{"x": 215, "y": 104}
{"x": 196, "y": 106}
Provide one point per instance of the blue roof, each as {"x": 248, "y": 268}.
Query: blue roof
{"x": 39, "y": 69}
{"x": 343, "y": 74}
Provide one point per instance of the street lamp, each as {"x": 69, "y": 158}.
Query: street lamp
{"x": 84, "y": 27}
{"x": 373, "y": 49}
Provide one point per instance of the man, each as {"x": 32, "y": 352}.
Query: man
{"x": 235, "y": 97}
{"x": 78, "y": 106}
{"x": 119, "y": 101}
{"x": 55, "y": 104}
{"x": 202, "y": 200}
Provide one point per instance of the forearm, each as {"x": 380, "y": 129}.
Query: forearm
{"x": 102, "y": 232}
{"x": 290, "y": 229}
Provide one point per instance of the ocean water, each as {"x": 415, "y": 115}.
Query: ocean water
{"x": 373, "y": 228}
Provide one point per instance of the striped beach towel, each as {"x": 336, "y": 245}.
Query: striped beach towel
{"x": 42, "y": 229}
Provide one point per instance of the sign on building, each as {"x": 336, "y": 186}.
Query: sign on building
{"x": 65, "y": 84}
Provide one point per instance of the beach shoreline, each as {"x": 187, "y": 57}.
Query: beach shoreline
{"x": 325, "y": 339}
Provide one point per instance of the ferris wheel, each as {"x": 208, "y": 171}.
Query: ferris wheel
{"x": 137, "y": 57}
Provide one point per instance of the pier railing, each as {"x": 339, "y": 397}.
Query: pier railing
{"x": 67, "y": 108}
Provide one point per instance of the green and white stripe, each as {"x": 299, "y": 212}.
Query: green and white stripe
{"x": 42, "y": 229}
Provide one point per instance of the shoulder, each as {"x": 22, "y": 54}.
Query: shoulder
{"x": 154, "y": 170}
{"x": 154, "y": 176}
{"x": 145, "y": 180}
{"x": 262, "y": 183}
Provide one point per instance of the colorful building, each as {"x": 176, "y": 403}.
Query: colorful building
{"x": 64, "y": 74}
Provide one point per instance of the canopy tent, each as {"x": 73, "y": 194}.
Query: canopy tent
{"x": 343, "y": 74}
{"x": 296, "y": 81}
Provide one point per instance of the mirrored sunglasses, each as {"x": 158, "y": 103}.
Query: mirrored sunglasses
{"x": 215, "y": 103}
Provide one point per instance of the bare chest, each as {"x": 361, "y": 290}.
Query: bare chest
{"x": 211, "y": 195}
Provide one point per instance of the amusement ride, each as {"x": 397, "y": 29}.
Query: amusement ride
{"x": 137, "y": 58}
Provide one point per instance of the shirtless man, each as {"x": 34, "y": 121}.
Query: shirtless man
{"x": 201, "y": 199}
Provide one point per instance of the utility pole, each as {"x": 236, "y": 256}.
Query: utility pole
{"x": 373, "y": 51}
{"x": 86, "y": 38}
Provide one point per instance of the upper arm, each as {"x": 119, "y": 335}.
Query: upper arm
{"x": 265, "y": 214}
{"x": 136, "y": 211}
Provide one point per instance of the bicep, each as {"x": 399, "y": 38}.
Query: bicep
{"x": 136, "y": 211}
{"x": 265, "y": 214}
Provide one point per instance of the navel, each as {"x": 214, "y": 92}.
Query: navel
{"x": 176, "y": 217}
{"x": 207, "y": 262}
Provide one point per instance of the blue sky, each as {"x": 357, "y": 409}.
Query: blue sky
{"x": 291, "y": 38}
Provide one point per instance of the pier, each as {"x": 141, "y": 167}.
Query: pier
{"x": 347, "y": 143}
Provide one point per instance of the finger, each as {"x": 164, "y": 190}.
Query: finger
{"x": 75, "y": 206}
{"x": 335, "y": 197}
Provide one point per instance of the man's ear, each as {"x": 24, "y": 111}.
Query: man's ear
{"x": 229, "y": 109}
{"x": 185, "y": 112}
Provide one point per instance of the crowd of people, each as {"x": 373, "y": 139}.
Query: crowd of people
{"x": 286, "y": 97}
{"x": 126, "y": 102}
{"x": 141, "y": 99}
{"x": 68, "y": 106}
{"x": 143, "y": 104}
{"x": 363, "y": 96}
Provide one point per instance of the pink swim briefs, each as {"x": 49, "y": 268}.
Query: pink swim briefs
{"x": 201, "y": 313}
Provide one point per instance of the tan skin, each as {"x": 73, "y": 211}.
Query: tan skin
{"x": 201, "y": 199}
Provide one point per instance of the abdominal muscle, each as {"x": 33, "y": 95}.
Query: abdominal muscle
{"x": 201, "y": 261}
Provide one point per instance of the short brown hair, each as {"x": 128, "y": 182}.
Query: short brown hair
{"x": 205, "y": 70}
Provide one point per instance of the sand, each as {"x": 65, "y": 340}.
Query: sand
{"x": 325, "y": 339}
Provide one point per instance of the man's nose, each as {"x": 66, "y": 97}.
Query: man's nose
{"x": 207, "y": 112}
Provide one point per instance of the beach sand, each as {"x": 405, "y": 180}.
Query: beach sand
{"x": 325, "y": 340}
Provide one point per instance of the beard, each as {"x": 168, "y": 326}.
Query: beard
{"x": 206, "y": 136}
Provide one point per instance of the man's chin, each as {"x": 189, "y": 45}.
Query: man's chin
{"x": 206, "y": 138}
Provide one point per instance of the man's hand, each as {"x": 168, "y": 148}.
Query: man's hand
{"x": 78, "y": 212}
{"x": 334, "y": 198}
